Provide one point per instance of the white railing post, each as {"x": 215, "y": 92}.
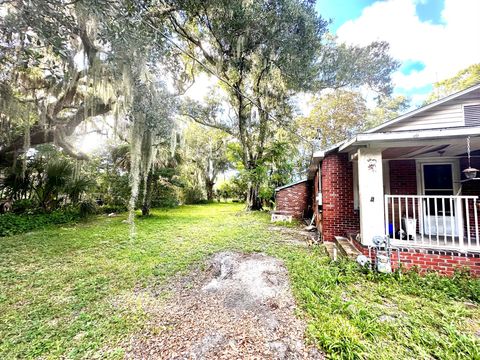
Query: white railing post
{"x": 467, "y": 218}
{"x": 407, "y": 223}
{"x": 444, "y": 222}
{"x": 475, "y": 214}
{"x": 415, "y": 222}
{"x": 452, "y": 222}
{"x": 459, "y": 216}
{"x": 387, "y": 227}
{"x": 393, "y": 215}
{"x": 421, "y": 227}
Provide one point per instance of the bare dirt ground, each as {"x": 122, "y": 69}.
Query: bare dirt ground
{"x": 296, "y": 235}
{"x": 240, "y": 307}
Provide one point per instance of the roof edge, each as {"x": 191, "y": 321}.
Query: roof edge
{"x": 423, "y": 134}
{"x": 424, "y": 108}
{"x": 289, "y": 185}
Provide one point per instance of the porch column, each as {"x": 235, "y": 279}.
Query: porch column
{"x": 370, "y": 185}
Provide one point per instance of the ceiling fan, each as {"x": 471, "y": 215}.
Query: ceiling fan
{"x": 439, "y": 149}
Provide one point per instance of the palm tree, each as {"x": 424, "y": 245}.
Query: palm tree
{"x": 76, "y": 187}
{"x": 55, "y": 179}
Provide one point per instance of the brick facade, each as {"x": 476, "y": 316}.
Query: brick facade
{"x": 444, "y": 262}
{"x": 403, "y": 181}
{"x": 403, "y": 177}
{"x": 294, "y": 199}
{"x": 470, "y": 187}
{"x": 338, "y": 215}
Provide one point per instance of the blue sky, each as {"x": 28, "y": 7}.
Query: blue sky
{"x": 344, "y": 10}
{"x": 341, "y": 11}
{"x": 433, "y": 39}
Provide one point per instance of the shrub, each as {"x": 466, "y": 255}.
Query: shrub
{"x": 165, "y": 195}
{"x": 11, "y": 224}
{"x": 109, "y": 208}
{"x": 23, "y": 206}
{"x": 87, "y": 207}
{"x": 193, "y": 195}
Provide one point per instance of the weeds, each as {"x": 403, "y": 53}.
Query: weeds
{"x": 63, "y": 289}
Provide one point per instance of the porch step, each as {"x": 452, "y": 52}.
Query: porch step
{"x": 331, "y": 249}
{"x": 346, "y": 248}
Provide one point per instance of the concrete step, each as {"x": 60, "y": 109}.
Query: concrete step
{"x": 346, "y": 248}
{"x": 331, "y": 249}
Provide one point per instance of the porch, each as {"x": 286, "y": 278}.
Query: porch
{"x": 411, "y": 187}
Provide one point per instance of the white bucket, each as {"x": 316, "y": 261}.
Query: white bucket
{"x": 409, "y": 226}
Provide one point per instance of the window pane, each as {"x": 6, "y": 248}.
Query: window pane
{"x": 438, "y": 177}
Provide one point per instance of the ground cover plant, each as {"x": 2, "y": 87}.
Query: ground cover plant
{"x": 69, "y": 291}
{"x": 11, "y": 224}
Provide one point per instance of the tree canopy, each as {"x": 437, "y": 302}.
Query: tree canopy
{"x": 262, "y": 61}
{"x": 463, "y": 79}
{"x": 121, "y": 68}
{"x": 340, "y": 114}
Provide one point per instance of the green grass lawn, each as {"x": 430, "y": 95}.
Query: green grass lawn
{"x": 61, "y": 289}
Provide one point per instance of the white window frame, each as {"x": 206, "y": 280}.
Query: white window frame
{"x": 455, "y": 163}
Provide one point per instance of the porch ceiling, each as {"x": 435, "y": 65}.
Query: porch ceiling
{"x": 426, "y": 143}
{"x": 395, "y": 152}
{"x": 450, "y": 148}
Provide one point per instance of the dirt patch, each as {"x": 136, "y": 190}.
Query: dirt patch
{"x": 240, "y": 307}
{"x": 298, "y": 236}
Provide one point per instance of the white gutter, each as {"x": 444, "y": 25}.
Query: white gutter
{"x": 320, "y": 154}
{"x": 412, "y": 135}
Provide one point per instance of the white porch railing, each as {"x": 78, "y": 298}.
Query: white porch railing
{"x": 450, "y": 222}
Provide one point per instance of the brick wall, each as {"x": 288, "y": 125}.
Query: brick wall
{"x": 403, "y": 181}
{"x": 338, "y": 215}
{"x": 294, "y": 199}
{"x": 471, "y": 188}
{"x": 444, "y": 262}
{"x": 403, "y": 177}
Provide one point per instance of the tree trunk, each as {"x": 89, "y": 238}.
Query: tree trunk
{"x": 209, "y": 187}
{"x": 147, "y": 195}
{"x": 254, "y": 201}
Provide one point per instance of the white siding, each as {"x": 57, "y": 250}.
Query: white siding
{"x": 448, "y": 114}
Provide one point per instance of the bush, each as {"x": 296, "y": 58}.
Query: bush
{"x": 23, "y": 206}
{"x": 193, "y": 195}
{"x": 108, "y": 209}
{"x": 11, "y": 224}
{"x": 165, "y": 195}
{"x": 87, "y": 207}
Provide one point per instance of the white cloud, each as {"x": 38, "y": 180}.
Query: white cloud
{"x": 444, "y": 49}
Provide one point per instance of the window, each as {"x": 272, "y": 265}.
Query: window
{"x": 438, "y": 180}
